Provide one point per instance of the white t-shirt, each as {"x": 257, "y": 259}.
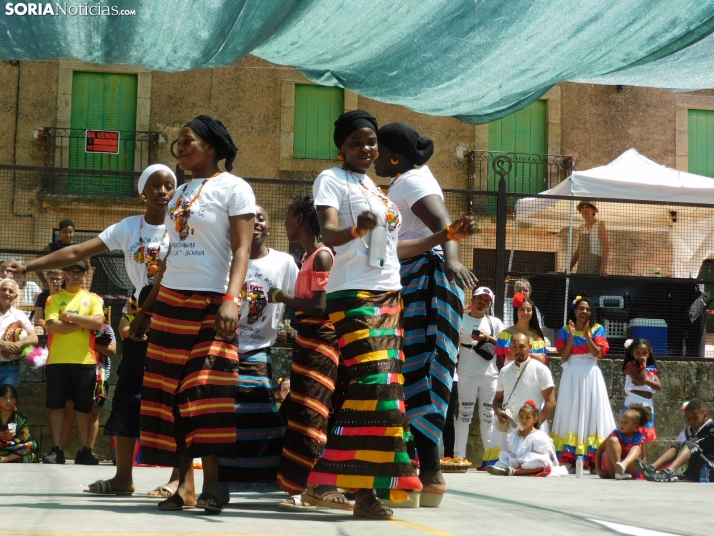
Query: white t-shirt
{"x": 142, "y": 263}
{"x": 13, "y": 315}
{"x": 405, "y": 191}
{"x": 258, "y": 326}
{"x": 201, "y": 254}
{"x": 335, "y": 188}
{"x": 536, "y": 378}
{"x": 470, "y": 363}
{"x": 30, "y": 293}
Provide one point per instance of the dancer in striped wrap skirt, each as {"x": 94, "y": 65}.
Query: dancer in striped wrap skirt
{"x": 366, "y": 448}
{"x": 314, "y": 365}
{"x": 259, "y": 428}
{"x": 192, "y": 359}
{"x": 432, "y": 284}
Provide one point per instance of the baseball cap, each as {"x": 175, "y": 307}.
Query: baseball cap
{"x": 78, "y": 263}
{"x": 484, "y": 291}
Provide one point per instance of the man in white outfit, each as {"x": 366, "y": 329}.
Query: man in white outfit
{"x": 477, "y": 371}
{"x": 536, "y": 384}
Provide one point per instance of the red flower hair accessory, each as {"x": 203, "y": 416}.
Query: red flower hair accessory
{"x": 518, "y": 299}
{"x": 530, "y": 403}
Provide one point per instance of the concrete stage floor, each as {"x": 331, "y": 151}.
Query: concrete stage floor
{"x": 48, "y": 500}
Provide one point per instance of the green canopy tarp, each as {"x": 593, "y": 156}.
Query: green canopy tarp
{"x": 477, "y": 60}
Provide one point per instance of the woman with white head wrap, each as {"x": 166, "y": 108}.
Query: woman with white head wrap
{"x": 145, "y": 244}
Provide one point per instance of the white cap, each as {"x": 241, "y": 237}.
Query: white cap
{"x": 484, "y": 291}
{"x": 148, "y": 172}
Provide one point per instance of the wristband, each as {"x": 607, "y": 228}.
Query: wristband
{"x": 229, "y": 297}
{"x": 274, "y": 296}
{"x": 141, "y": 310}
{"x": 450, "y": 233}
{"x": 67, "y": 318}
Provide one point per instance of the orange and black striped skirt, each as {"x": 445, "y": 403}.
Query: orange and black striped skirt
{"x": 189, "y": 381}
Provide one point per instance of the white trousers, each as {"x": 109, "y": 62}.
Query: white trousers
{"x": 473, "y": 391}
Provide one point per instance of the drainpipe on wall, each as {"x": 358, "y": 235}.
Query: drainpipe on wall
{"x": 16, "y": 63}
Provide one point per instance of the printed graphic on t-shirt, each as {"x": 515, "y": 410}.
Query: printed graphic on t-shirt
{"x": 257, "y": 300}
{"x": 151, "y": 258}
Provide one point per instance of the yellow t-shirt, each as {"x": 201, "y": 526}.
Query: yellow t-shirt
{"x": 76, "y": 348}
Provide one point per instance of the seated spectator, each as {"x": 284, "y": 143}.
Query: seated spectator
{"x": 16, "y": 443}
{"x": 530, "y": 451}
{"x": 27, "y": 292}
{"x": 615, "y": 457}
{"x": 54, "y": 283}
{"x": 695, "y": 451}
{"x": 16, "y": 333}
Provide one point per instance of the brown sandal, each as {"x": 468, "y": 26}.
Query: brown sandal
{"x": 327, "y": 499}
{"x": 376, "y": 509}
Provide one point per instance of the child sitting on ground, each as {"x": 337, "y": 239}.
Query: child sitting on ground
{"x": 16, "y": 444}
{"x": 696, "y": 450}
{"x": 530, "y": 450}
{"x": 616, "y": 455}
{"x": 641, "y": 380}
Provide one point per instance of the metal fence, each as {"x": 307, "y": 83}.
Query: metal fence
{"x": 658, "y": 255}
{"x": 65, "y": 148}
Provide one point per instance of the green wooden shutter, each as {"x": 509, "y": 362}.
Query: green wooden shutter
{"x": 524, "y": 132}
{"x": 701, "y": 142}
{"x": 103, "y": 101}
{"x": 316, "y": 110}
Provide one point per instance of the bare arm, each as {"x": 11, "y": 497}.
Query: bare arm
{"x": 432, "y": 211}
{"x": 123, "y": 328}
{"x": 576, "y": 253}
{"x": 241, "y": 229}
{"x": 594, "y": 349}
{"x": 60, "y": 258}
{"x": 460, "y": 229}
{"x": 83, "y": 321}
{"x": 107, "y": 350}
{"x": 58, "y": 326}
{"x": 549, "y": 406}
{"x": 497, "y": 405}
{"x": 333, "y": 235}
{"x": 567, "y": 351}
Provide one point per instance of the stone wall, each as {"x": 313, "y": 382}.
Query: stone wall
{"x": 681, "y": 381}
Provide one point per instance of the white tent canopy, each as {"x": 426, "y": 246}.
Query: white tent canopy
{"x": 633, "y": 177}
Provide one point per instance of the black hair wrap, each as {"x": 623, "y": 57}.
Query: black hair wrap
{"x": 348, "y": 122}
{"x": 216, "y": 134}
{"x": 403, "y": 139}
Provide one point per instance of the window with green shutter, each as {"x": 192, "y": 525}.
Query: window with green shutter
{"x": 524, "y": 132}
{"x": 701, "y": 142}
{"x": 316, "y": 110}
{"x": 102, "y": 101}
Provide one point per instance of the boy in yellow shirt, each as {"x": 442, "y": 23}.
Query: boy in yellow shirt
{"x": 71, "y": 316}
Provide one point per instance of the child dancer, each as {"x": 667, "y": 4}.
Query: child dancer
{"x": 615, "y": 456}
{"x": 697, "y": 449}
{"x": 530, "y": 450}
{"x": 16, "y": 444}
{"x": 641, "y": 380}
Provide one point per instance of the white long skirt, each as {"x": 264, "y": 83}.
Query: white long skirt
{"x": 583, "y": 416}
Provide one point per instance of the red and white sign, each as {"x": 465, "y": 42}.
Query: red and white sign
{"x": 102, "y": 141}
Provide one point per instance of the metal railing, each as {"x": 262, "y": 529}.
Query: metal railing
{"x": 65, "y": 148}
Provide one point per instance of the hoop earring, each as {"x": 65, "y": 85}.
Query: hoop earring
{"x": 376, "y": 156}
{"x": 340, "y": 156}
{"x": 394, "y": 161}
{"x": 142, "y": 196}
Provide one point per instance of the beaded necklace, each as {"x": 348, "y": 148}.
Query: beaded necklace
{"x": 392, "y": 213}
{"x": 181, "y": 211}
{"x": 149, "y": 257}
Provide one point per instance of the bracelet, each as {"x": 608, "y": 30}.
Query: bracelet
{"x": 67, "y": 318}
{"x": 450, "y": 233}
{"x": 274, "y": 296}
{"x": 141, "y": 310}
{"x": 637, "y": 366}
{"x": 229, "y": 297}
{"x": 353, "y": 231}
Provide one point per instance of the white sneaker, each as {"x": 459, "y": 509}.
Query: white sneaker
{"x": 620, "y": 468}
{"x": 623, "y": 476}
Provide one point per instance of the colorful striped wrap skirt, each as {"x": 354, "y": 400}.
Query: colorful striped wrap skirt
{"x": 433, "y": 308}
{"x": 259, "y": 429}
{"x": 366, "y": 447}
{"x": 312, "y": 385}
{"x": 190, "y": 375}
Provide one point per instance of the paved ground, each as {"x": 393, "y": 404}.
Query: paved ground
{"x": 48, "y": 500}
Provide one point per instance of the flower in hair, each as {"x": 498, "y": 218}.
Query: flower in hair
{"x": 530, "y": 403}
{"x": 575, "y": 301}
{"x": 627, "y": 343}
{"x": 684, "y": 406}
{"x": 518, "y": 299}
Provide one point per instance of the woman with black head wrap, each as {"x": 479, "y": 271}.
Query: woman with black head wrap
{"x": 432, "y": 295}
{"x": 366, "y": 448}
{"x": 187, "y": 402}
